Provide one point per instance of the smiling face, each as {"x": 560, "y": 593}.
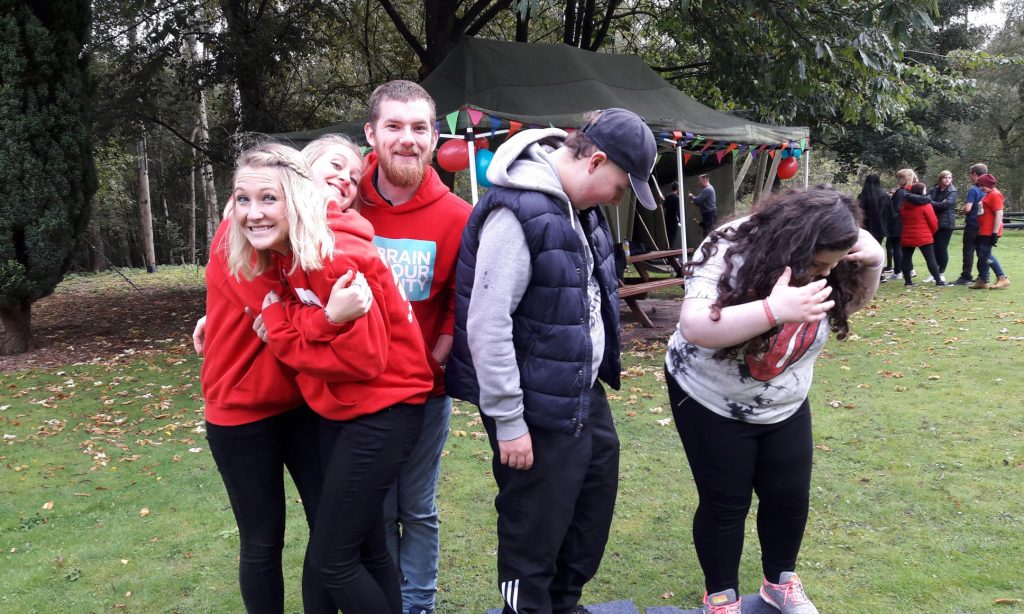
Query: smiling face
{"x": 824, "y": 261}
{"x": 339, "y": 169}
{"x": 403, "y": 137}
{"x": 260, "y": 210}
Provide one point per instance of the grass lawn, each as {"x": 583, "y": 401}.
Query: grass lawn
{"x": 111, "y": 501}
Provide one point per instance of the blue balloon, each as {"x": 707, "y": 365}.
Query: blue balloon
{"x": 483, "y": 161}
{"x": 797, "y": 152}
{"x": 785, "y": 154}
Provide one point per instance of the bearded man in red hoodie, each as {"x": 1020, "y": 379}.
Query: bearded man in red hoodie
{"x": 417, "y": 224}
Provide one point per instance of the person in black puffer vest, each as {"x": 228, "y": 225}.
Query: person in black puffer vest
{"x": 536, "y": 325}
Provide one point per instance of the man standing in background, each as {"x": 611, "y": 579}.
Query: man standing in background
{"x": 707, "y": 203}
{"x": 974, "y": 196}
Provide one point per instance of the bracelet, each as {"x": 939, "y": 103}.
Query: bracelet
{"x": 772, "y": 322}
{"x": 329, "y": 320}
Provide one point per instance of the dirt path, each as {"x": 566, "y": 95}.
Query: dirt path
{"x": 94, "y": 325}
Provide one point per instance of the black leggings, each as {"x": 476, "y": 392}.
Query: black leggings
{"x": 348, "y": 548}
{"x": 894, "y": 253}
{"x": 730, "y": 460}
{"x": 942, "y": 237}
{"x": 928, "y": 252}
{"x": 251, "y": 459}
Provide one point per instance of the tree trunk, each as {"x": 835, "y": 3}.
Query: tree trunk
{"x": 145, "y": 209}
{"x": 209, "y": 190}
{"x": 16, "y": 329}
{"x": 96, "y": 246}
{"x": 192, "y": 209}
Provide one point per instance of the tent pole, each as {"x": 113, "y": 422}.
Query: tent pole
{"x": 807, "y": 168}
{"x": 682, "y": 203}
{"x": 471, "y": 148}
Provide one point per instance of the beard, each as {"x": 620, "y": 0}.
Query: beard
{"x": 402, "y": 174}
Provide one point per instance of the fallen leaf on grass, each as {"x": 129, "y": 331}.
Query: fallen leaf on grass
{"x": 144, "y": 512}
{"x": 896, "y": 374}
{"x": 667, "y": 595}
{"x": 1008, "y": 601}
{"x": 823, "y": 448}
{"x": 664, "y": 421}
{"x": 48, "y": 505}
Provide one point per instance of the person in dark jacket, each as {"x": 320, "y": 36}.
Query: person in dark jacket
{"x": 905, "y": 179}
{"x": 536, "y": 325}
{"x": 943, "y": 197}
{"x": 874, "y": 205}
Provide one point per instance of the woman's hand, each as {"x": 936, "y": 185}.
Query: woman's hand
{"x": 866, "y": 252}
{"x": 800, "y": 303}
{"x": 350, "y": 299}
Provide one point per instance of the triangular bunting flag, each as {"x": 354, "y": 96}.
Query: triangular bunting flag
{"x": 474, "y": 115}
{"x": 731, "y": 147}
{"x": 803, "y": 143}
{"x": 495, "y": 124}
{"x": 453, "y": 121}
{"x": 677, "y": 135}
{"x": 720, "y": 155}
{"x": 686, "y": 158}
{"x": 708, "y": 144}
{"x": 513, "y": 127}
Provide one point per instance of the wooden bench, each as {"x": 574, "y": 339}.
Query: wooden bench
{"x": 633, "y": 290}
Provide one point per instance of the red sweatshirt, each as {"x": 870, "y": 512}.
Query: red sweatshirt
{"x": 420, "y": 240}
{"x": 919, "y": 223}
{"x": 242, "y": 380}
{"x": 992, "y": 202}
{"x": 362, "y": 366}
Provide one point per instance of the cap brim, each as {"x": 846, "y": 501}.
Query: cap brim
{"x": 643, "y": 193}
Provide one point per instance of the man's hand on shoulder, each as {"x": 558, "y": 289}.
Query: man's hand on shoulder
{"x": 517, "y": 453}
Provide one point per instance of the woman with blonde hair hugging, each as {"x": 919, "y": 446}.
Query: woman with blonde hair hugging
{"x": 366, "y": 378}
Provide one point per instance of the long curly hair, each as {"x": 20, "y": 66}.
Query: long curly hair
{"x": 786, "y": 229}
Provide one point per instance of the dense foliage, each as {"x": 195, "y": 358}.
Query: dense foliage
{"x": 45, "y": 153}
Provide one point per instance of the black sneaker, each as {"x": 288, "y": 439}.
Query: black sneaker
{"x": 580, "y": 610}
{"x": 418, "y": 610}
{"x": 962, "y": 281}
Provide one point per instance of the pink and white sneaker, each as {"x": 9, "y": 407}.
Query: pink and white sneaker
{"x": 788, "y": 595}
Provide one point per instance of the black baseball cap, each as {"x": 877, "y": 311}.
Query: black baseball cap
{"x": 627, "y": 141}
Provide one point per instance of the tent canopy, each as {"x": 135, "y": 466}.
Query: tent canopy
{"x": 542, "y": 84}
{"x": 535, "y": 83}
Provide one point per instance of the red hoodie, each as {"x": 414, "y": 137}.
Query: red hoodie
{"x": 919, "y": 222}
{"x": 420, "y": 240}
{"x": 242, "y": 379}
{"x": 360, "y": 367}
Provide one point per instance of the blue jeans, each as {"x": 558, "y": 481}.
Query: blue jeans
{"x": 986, "y": 258}
{"x": 411, "y": 503}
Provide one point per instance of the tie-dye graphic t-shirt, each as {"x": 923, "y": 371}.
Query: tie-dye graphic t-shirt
{"x": 760, "y": 388}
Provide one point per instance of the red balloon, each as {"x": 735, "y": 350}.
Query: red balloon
{"x": 481, "y": 143}
{"x": 788, "y": 168}
{"x": 453, "y": 155}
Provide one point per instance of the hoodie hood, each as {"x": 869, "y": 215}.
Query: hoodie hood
{"x": 348, "y": 221}
{"x": 522, "y": 163}
{"x": 431, "y": 189}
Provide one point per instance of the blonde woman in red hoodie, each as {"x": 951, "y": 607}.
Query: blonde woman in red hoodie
{"x": 257, "y": 424}
{"x": 367, "y": 378}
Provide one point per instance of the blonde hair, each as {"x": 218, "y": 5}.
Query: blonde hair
{"x": 314, "y": 149}
{"x": 309, "y": 237}
{"x": 945, "y": 174}
{"x": 906, "y": 176}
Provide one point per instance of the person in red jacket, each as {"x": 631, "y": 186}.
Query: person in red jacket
{"x": 990, "y": 228}
{"x": 366, "y": 378}
{"x": 919, "y": 226}
{"x": 417, "y": 223}
{"x": 257, "y": 425}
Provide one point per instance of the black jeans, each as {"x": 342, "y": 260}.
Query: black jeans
{"x": 894, "y": 253}
{"x": 942, "y": 237}
{"x": 928, "y": 252}
{"x": 730, "y": 460}
{"x": 251, "y": 459}
{"x": 347, "y": 547}
{"x": 554, "y": 518}
{"x": 970, "y": 234}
